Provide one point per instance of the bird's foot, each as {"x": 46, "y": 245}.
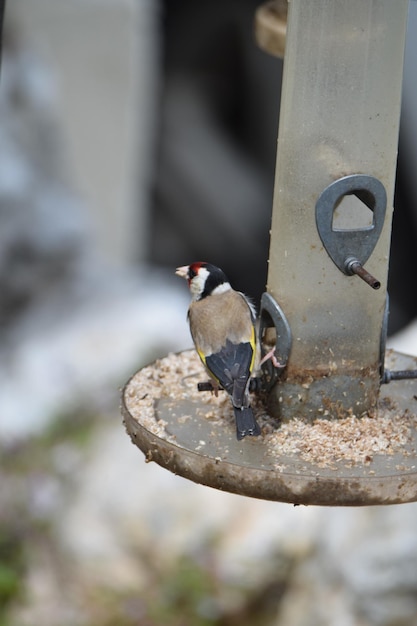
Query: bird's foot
{"x": 271, "y": 355}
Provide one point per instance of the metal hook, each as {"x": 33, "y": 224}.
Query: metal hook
{"x": 272, "y": 316}
{"x": 350, "y": 249}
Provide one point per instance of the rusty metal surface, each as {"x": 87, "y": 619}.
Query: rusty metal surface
{"x": 245, "y": 468}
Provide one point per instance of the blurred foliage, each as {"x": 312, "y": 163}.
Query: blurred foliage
{"x": 191, "y": 593}
{"x": 27, "y": 468}
{"x": 180, "y": 590}
{"x": 35, "y": 453}
{"x": 12, "y": 567}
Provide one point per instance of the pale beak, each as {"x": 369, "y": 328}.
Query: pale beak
{"x": 182, "y": 271}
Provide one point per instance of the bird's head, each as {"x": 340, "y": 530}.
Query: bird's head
{"x": 203, "y": 279}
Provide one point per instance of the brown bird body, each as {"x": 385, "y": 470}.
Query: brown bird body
{"x": 222, "y": 327}
{"x": 220, "y": 308}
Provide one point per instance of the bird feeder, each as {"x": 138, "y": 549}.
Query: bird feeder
{"x": 338, "y": 412}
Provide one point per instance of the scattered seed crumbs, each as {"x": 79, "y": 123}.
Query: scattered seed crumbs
{"x": 324, "y": 442}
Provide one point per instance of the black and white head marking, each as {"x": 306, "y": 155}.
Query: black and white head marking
{"x": 206, "y": 280}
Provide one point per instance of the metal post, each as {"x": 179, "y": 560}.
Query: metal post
{"x": 339, "y": 124}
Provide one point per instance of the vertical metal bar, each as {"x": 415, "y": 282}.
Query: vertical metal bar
{"x": 340, "y": 110}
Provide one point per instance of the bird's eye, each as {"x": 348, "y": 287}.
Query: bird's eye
{"x": 191, "y": 273}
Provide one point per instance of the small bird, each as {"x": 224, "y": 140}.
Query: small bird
{"x": 222, "y": 327}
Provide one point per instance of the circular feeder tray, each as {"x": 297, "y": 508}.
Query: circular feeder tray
{"x": 341, "y": 462}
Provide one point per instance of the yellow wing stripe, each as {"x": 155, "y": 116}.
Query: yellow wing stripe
{"x": 253, "y": 344}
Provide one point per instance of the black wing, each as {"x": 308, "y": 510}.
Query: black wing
{"x": 232, "y": 368}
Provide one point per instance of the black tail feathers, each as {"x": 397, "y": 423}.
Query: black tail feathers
{"x": 246, "y": 423}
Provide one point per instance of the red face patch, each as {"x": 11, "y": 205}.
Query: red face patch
{"x": 193, "y": 270}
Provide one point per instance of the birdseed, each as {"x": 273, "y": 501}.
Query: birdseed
{"x": 326, "y": 442}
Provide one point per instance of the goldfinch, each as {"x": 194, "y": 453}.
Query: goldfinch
{"x": 222, "y": 327}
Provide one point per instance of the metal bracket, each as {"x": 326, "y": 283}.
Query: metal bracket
{"x": 390, "y": 375}
{"x": 349, "y": 249}
{"x": 272, "y": 316}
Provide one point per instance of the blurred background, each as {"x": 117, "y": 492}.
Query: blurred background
{"x": 135, "y": 136}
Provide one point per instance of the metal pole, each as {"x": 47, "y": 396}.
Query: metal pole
{"x": 337, "y": 142}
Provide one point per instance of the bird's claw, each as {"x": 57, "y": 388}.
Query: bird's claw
{"x": 271, "y": 356}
